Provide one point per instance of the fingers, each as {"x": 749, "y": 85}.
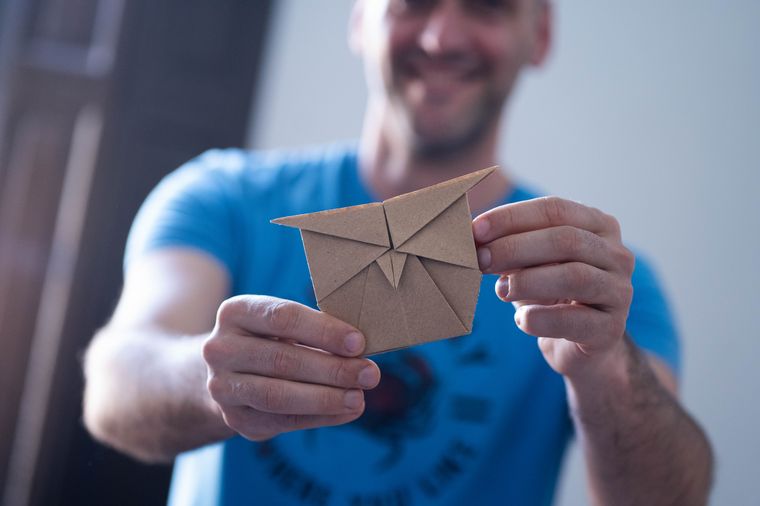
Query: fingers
{"x": 551, "y": 245}
{"x": 574, "y": 322}
{"x": 542, "y": 213}
{"x": 276, "y": 365}
{"x": 258, "y": 426}
{"x": 277, "y": 396}
{"x": 278, "y": 359}
{"x": 569, "y": 281}
{"x": 269, "y": 316}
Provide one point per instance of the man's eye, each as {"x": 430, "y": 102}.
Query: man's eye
{"x": 492, "y": 6}
{"x": 481, "y": 7}
{"x": 412, "y": 5}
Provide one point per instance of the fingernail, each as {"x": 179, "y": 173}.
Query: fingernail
{"x": 484, "y": 258}
{"x": 480, "y": 228}
{"x": 354, "y": 342}
{"x": 353, "y": 399}
{"x": 518, "y": 316}
{"x": 368, "y": 377}
{"x": 502, "y": 288}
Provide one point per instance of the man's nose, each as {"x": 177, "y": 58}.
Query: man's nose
{"x": 445, "y": 28}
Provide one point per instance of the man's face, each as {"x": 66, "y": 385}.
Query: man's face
{"x": 444, "y": 68}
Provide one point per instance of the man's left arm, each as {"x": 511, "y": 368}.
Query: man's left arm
{"x": 564, "y": 267}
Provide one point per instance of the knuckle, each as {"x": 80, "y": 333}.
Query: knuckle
{"x": 509, "y": 247}
{"x": 626, "y": 293}
{"x": 228, "y": 310}
{"x": 530, "y": 320}
{"x": 577, "y": 275}
{"x": 326, "y": 333}
{"x": 327, "y": 400}
{"x": 216, "y": 387}
{"x": 567, "y": 240}
{"x": 340, "y": 373}
{"x": 554, "y": 209}
{"x": 612, "y": 223}
{"x": 273, "y": 396}
{"x": 505, "y": 216}
{"x": 213, "y": 350}
{"x": 282, "y": 315}
{"x": 284, "y": 364}
{"x": 627, "y": 259}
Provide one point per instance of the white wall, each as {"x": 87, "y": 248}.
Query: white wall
{"x": 648, "y": 110}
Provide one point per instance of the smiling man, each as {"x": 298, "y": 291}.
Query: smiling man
{"x": 214, "y": 353}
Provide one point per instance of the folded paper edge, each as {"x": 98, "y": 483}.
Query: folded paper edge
{"x": 475, "y": 177}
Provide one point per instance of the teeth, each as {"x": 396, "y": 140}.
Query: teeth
{"x": 448, "y": 73}
{"x": 450, "y": 67}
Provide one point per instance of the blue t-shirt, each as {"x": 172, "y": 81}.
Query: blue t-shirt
{"x": 480, "y": 417}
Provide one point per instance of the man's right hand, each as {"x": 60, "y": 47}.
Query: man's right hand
{"x": 276, "y": 366}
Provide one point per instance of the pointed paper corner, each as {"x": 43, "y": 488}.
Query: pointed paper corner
{"x": 469, "y": 180}
{"x": 384, "y": 261}
{"x": 365, "y": 223}
{"x": 398, "y": 260}
{"x": 307, "y": 220}
{"x": 290, "y": 221}
{"x": 382, "y": 316}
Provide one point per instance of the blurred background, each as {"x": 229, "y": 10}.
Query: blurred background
{"x": 648, "y": 110}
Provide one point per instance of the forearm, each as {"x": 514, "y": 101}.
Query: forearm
{"x": 640, "y": 446}
{"x": 146, "y": 394}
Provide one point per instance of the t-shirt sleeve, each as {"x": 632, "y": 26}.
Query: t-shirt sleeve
{"x": 191, "y": 207}
{"x": 650, "y": 321}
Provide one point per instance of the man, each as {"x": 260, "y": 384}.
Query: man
{"x": 235, "y": 381}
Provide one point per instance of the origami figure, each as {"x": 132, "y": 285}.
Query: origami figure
{"x": 403, "y": 271}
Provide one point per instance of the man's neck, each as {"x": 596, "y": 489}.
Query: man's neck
{"x": 389, "y": 166}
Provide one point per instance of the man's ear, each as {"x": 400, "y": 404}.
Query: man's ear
{"x": 544, "y": 32}
{"x": 355, "y": 27}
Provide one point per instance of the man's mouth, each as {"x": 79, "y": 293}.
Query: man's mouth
{"x": 450, "y": 69}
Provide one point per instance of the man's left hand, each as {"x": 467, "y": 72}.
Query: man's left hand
{"x": 565, "y": 269}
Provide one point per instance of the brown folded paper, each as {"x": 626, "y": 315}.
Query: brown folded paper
{"x": 403, "y": 271}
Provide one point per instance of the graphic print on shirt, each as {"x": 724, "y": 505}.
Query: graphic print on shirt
{"x": 400, "y": 407}
{"x": 419, "y": 438}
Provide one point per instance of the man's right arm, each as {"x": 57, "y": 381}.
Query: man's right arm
{"x": 178, "y": 367}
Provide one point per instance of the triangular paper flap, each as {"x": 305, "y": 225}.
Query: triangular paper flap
{"x": 397, "y": 261}
{"x": 409, "y": 212}
{"x": 365, "y": 223}
{"x": 333, "y": 260}
{"x": 428, "y": 314}
{"x": 382, "y": 317}
{"x": 385, "y": 265}
{"x": 460, "y": 287}
{"x": 448, "y": 237}
{"x": 345, "y": 302}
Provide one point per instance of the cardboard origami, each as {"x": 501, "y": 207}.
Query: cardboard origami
{"x": 403, "y": 271}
